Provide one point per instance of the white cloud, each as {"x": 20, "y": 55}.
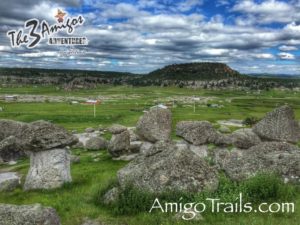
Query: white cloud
{"x": 286, "y": 55}
{"x": 287, "y": 48}
{"x": 264, "y": 56}
{"x": 39, "y": 54}
{"x": 213, "y": 52}
{"x": 268, "y": 11}
{"x": 189, "y": 4}
{"x": 122, "y": 10}
{"x": 4, "y": 48}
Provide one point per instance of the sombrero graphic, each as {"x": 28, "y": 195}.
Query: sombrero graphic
{"x": 60, "y": 16}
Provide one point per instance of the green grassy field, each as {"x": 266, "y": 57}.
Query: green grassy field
{"x": 75, "y": 201}
{"x": 126, "y": 105}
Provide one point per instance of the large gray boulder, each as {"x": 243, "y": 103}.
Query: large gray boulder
{"x": 195, "y": 132}
{"x": 11, "y": 145}
{"x": 279, "y": 125}
{"x": 42, "y": 135}
{"x": 245, "y": 138}
{"x": 200, "y": 133}
{"x": 119, "y": 144}
{"x": 155, "y": 125}
{"x": 279, "y": 157}
{"x": 166, "y": 167}
{"x": 96, "y": 143}
{"x": 48, "y": 169}
{"x": 12, "y": 128}
{"x": 28, "y": 215}
{"x": 9, "y": 181}
{"x": 35, "y": 136}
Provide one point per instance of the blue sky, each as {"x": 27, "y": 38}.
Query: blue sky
{"x": 252, "y": 36}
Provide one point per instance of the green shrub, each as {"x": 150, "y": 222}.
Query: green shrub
{"x": 259, "y": 188}
{"x": 250, "y": 121}
{"x": 266, "y": 187}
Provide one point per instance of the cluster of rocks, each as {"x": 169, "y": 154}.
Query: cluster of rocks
{"x": 45, "y": 144}
{"x": 189, "y": 165}
{"x": 91, "y": 139}
{"x": 268, "y": 146}
{"x": 158, "y": 163}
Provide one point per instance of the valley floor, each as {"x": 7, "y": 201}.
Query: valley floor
{"x": 124, "y": 105}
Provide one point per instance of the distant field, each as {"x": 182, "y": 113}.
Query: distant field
{"x": 127, "y": 104}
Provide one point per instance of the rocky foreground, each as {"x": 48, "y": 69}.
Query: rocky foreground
{"x": 157, "y": 163}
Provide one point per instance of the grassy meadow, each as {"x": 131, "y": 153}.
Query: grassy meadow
{"x": 124, "y": 105}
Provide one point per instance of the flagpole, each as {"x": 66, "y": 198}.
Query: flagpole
{"x": 94, "y": 110}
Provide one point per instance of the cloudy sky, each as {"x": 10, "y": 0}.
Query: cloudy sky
{"x": 252, "y": 36}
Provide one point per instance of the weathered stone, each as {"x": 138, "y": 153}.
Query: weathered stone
{"x": 12, "y": 128}
{"x": 78, "y": 145}
{"x": 135, "y": 146}
{"x": 11, "y": 149}
{"x": 146, "y": 146}
{"x": 74, "y": 159}
{"x": 224, "y": 129}
{"x": 42, "y": 135}
{"x": 117, "y": 129}
{"x": 119, "y": 144}
{"x": 111, "y": 196}
{"x": 91, "y": 222}
{"x": 83, "y": 138}
{"x": 28, "y": 215}
{"x": 133, "y": 135}
{"x": 220, "y": 139}
{"x": 166, "y": 167}
{"x": 36, "y": 136}
{"x": 201, "y": 151}
{"x": 245, "y": 138}
{"x": 96, "y": 143}
{"x": 278, "y": 157}
{"x": 89, "y": 130}
{"x": 195, "y": 132}
{"x": 48, "y": 169}
{"x": 128, "y": 157}
{"x": 9, "y": 181}
{"x": 279, "y": 125}
{"x": 155, "y": 125}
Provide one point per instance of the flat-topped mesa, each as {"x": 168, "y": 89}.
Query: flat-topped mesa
{"x": 279, "y": 125}
{"x": 195, "y": 71}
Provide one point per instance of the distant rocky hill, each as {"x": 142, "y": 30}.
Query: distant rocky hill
{"x": 195, "y": 71}
{"x": 195, "y": 75}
